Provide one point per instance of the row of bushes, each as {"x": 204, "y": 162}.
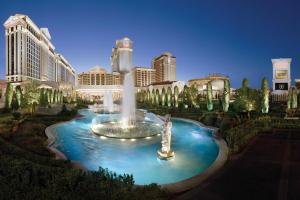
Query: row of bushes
{"x": 23, "y": 179}
{"x": 239, "y": 136}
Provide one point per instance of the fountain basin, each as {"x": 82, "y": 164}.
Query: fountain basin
{"x": 114, "y": 129}
{"x": 195, "y": 147}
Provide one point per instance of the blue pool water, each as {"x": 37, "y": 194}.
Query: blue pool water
{"x": 195, "y": 150}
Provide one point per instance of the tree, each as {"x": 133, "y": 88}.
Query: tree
{"x": 61, "y": 96}
{"x": 226, "y": 96}
{"x": 47, "y": 96}
{"x": 54, "y": 97}
{"x": 9, "y": 95}
{"x": 31, "y": 95}
{"x": 193, "y": 94}
{"x": 157, "y": 97}
{"x": 185, "y": 96}
{"x": 169, "y": 96}
{"x": 247, "y": 99}
{"x": 292, "y": 102}
{"x": 295, "y": 98}
{"x": 153, "y": 97}
{"x": 42, "y": 97}
{"x": 209, "y": 97}
{"x": 19, "y": 95}
{"x": 163, "y": 97}
{"x": 148, "y": 98}
{"x": 265, "y": 96}
{"x": 245, "y": 86}
{"x": 50, "y": 96}
{"x": 14, "y": 103}
{"x": 176, "y": 94}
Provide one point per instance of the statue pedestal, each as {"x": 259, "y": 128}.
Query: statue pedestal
{"x": 165, "y": 155}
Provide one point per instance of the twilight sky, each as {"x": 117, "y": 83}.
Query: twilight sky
{"x": 236, "y": 38}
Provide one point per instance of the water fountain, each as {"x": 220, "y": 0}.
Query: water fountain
{"x": 108, "y": 102}
{"x": 128, "y": 102}
{"x": 195, "y": 146}
{"x": 131, "y": 123}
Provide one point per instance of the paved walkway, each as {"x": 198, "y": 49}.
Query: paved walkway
{"x": 269, "y": 168}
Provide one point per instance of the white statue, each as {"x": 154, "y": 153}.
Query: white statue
{"x": 165, "y": 152}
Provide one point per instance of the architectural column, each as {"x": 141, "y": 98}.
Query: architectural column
{"x": 19, "y": 54}
{"x": 15, "y": 52}
{"x": 6, "y": 52}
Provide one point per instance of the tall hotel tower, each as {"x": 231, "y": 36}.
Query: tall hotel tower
{"x": 30, "y": 54}
{"x": 165, "y": 66}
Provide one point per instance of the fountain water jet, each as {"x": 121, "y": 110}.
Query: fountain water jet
{"x": 131, "y": 123}
{"x": 128, "y": 103}
{"x": 108, "y": 102}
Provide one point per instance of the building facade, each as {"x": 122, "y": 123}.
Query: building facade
{"x": 165, "y": 66}
{"x": 30, "y": 54}
{"x": 98, "y": 76}
{"x": 217, "y": 82}
{"x": 121, "y": 58}
{"x": 144, "y": 76}
{"x": 281, "y": 75}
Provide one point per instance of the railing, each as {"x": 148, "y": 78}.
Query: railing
{"x": 279, "y": 97}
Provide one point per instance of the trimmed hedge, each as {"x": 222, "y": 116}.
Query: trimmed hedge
{"x": 239, "y": 136}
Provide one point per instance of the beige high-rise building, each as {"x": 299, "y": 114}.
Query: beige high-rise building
{"x": 121, "y": 58}
{"x": 143, "y": 76}
{"x": 165, "y": 66}
{"x": 30, "y": 54}
{"x": 98, "y": 76}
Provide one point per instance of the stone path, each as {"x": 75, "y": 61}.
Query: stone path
{"x": 269, "y": 168}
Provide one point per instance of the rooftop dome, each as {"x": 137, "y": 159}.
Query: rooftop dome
{"x": 97, "y": 68}
{"x": 167, "y": 54}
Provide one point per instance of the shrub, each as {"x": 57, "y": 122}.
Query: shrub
{"x": 16, "y": 115}
{"x": 209, "y": 119}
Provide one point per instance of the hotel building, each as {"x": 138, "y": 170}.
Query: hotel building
{"x": 144, "y": 76}
{"x": 217, "y": 81}
{"x": 30, "y": 54}
{"x": 98, "y": 76}
{"x": 165, "y": 66}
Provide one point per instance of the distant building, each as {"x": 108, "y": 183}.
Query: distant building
{"x": 121, "y": 58}
{"x": 217, "y": 81}
{"x": 281, "y": 75}
{"x": 30, "y": 54}
{"x": 166, "y": 85}
{"x": 98, "y": 76}
{"x": 165, "y": 66}
{"x": 143, "y": 76}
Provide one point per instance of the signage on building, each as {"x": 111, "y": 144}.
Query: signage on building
{"x": 281, "y": 74}
{"x": 281, "y": 86}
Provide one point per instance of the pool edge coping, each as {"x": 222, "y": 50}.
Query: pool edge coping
{"x": 49, "y": 131}
{"x": 196, "y": 180}
{"x": 176, "y": 187}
